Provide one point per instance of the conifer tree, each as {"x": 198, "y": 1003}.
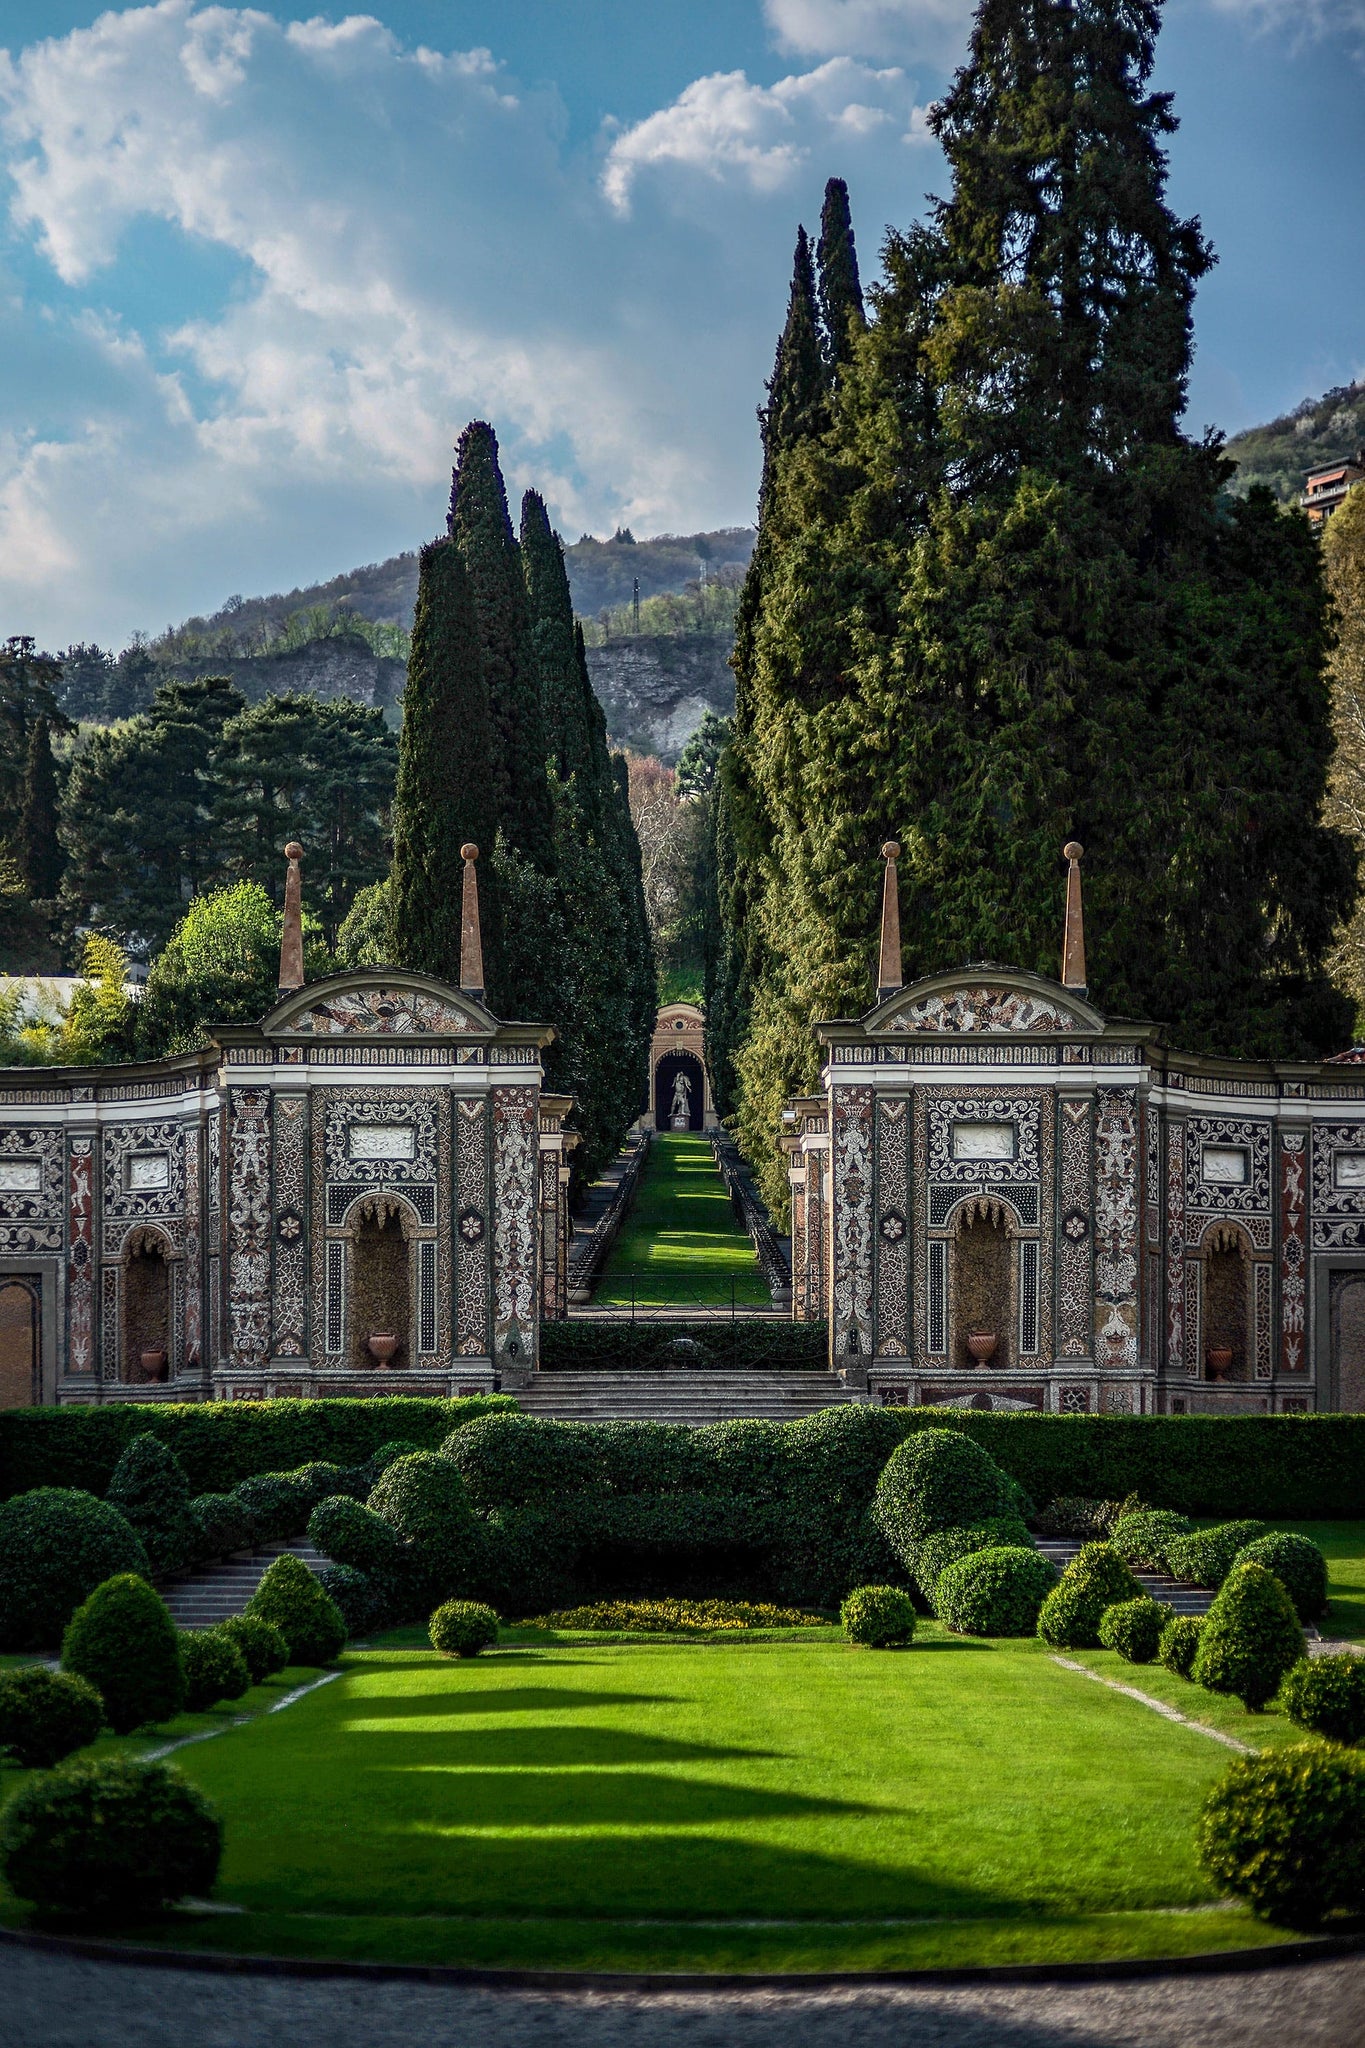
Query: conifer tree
{"x": 567, "y": 725}
{"x": 482, "y": 531}
{"x": 445, "y": 788}
{"x": 841, "y": 292}
{"x": 40, "y": 856}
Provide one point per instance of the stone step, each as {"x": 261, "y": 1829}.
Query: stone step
{"x": 670, "y": 1395}
{"x": 216, "y": 1591}
{"x": 1180, "y": 1598}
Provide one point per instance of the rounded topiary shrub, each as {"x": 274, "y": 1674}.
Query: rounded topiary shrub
{"x": 278, "y": 1505}
{"x": 214, "y": 1666}
{"x": 878, "y": 1617}
{"x": 1299, "y": 1566}
{"x": 1098, "y": 1578}
{"x": 937, "y": 1479}
{"x": 378, "y": 1462}
{"x": 264, "y": 1650}
{"x": 123, "y": 1640}
{"x": 150, "y": 1490}
{"x": 223, "y": 1525}
{"x": 424, "y": 1500}
{"x": 361, "y": 1601}
{"x": 56, "y": 1546}
{"x": 1206, "y": 1558}
{"x": 1327, "y": 1695}
{"x": 1134, "y": 1628}
{"x": 1141, "y": 1540}
{"x": 1286, "y": 1831}
{"x": 994, "y": 1592}
{"x": 1251, "y": 1637}
{"x": 318, "y": 1480}
{"x": 352, "y": 1534}
{"x": 109, "y": 1838}
{"x": 933, "y": 1554}
{"x": 1179, "y": 1644}
{"x": 461, "y": 1628}
{"x": 44, "y": 1715}
{"x": 290, "y": 1598}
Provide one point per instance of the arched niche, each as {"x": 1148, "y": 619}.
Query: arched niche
{"x": 983, "y": 1281}
{"x": 1226, "y": 1321}
{"x": 380, "y": 1277}
{"x": 20, "y": 1305}
{"x": 146, "y": 1306}
{"x": 679, "y": 1076}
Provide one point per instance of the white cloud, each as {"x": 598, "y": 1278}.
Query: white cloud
{"x": 730, "y": 131}
{"x": 871, "y": 28}
{"x": 1306, "y": 20}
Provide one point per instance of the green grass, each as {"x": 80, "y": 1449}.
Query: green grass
{"x": 680, "y": 1243}
{"x": 791, "y": 1803}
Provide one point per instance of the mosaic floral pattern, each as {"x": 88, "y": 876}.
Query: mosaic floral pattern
{"x": 984, "y": 1009}
{"x": 31, "y": 1217}
{"x": 1116, "y": 1227}
{"x": 190, "y": 1274}
{"x": 1293, "y": 1251}
{"x": 851, "y": 1170}
{"x": 386, "y": 1010}
{"x": 80, "y": 1257}
{"x": 248, "y": 1225}
{"x": 289, "y": 1295}
{"x": 1211, "y": 1198}
{"x": 471, "y": 1250}
{"x": 1074, "y": 1297}
{"x": 123, "y": 1145}
{"x": 1175, "y": 1245}
{"x": 1261, "y": 1283}
{"x": 515, "y": 1148}
{"x": 1023, "y": 1111}
{"x": 395, "y": 1107}
{"x": 1153, "y": 1205}
{"x": 1328, "y": 1198}
{"x": 892, "y": 1250}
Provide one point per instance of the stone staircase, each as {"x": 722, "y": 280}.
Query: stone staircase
{"x": 679, "y": 1396}
{"x": 218, "y": 1590}
{"x": 1181, "y": 1599}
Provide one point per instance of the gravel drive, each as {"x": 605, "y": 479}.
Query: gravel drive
{"x": 56, "y": 2001}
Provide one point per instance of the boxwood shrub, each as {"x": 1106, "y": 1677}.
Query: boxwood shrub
{"x": 1286, "y": 1831}
{"x": 223, "y": 1525}
{"x": 1326, "y": 1695}
{"x": 878, "y": 1617}
{"x": 56, "y": 1546}
{"x": 1250, "y": 1639}
{"x": 291, "y": 1600}
{"x": 424, "y": 1501}
{"x": 994, "y": 1592}
{"x": 214, "y": 1667}
{"x": 1179, "y": 1644}
{"x": 122, "y": 1639}
{"x": 1142, "y": 1539}
{"x": 1134, "y": 1628}
{"x": 44, "y": 1715}
{"x": 938, "y": 1479}
{"x": 935, "y": 1553}
{"x": 109, "y": 1838}
{"x": 352, "y": 1534}
{"x": 264, "y": 1650}
{"x": 1299, "y": 1566}
{"x": 461, "y": 1628}
{"x": 1206, "y": 1558}
{"x": 362, "y": 1601}
{"x": 1097, "y": 1578}
{"x": 153, "y": 1495}
{"x": 278, "y": 1503}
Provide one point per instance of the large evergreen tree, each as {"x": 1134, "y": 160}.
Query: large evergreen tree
{"x": 445, "y": 788}
{"x": 841, "y": 292}
{"x": 482, "y": 531}
{"x": 40, "y": 855}
{"x": 1007, "y": 602}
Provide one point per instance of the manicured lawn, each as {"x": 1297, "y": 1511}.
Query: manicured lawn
{"x": 786, "y": 1804}
{"x": 680, "y": 1244}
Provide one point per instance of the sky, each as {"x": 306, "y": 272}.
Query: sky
{"x": 258, "y": 266}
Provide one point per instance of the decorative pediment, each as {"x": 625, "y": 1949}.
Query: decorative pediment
{"x": 989, "y": 1004}
{"x": 389, "y": 1008}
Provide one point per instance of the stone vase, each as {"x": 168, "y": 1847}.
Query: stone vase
{"x": 153, "y": 1364}
{"x": 381, "y": 1347}
{"x": 1219, "y": 1358}
{"x": 983, "y": 1345}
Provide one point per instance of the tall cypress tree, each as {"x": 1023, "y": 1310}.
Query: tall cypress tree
{"x": 444, "y": 792}
{"x": 482, "y": 531}
{"x": 567, "y": 725}
{"x": 40, "y": 856}
{"x": 841, "y": 292}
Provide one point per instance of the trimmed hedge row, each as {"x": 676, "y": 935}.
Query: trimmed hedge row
{"x": 219, "y": 1443}
{"x": 617, "y": 1347}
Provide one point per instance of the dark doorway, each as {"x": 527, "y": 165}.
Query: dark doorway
{"x": 18, "y": 1343}
{"x": 678, "y": 1078}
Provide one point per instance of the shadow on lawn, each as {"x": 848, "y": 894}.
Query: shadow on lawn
{"x": 543, "y": 1749}
{"x": 492, "y": 1699}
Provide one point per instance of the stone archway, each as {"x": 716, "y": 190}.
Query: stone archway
{"x": 146, "y": 1307}
{"x": 380, "y": 1276}
{"x": 1226, "y": 1321}
{"x": 982, "y": 1282}
{"x": 679, "y": 1077}
{"x": 19, "y": 1327}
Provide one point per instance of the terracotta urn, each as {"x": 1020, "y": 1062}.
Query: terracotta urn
{"x": 153, "y": 1364}
{"x": 381, "y": 1347}
{"x": 1220, "y": 1361}
{"x": 983, "y": 1345}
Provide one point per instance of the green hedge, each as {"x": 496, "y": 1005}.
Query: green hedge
{"x": 587, "y": 1345}
{"x": 219, "y": 1443}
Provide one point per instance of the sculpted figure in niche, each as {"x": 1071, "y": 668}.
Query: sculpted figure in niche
{"x": 682, "y": 1102}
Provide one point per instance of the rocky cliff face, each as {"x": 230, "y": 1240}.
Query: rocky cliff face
{"x": 338, "y": 667}
{"x": 655, "y": 690}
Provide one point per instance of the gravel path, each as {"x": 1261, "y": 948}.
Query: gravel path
{"x": 52, "y": 2001}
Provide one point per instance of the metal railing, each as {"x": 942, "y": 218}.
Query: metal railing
{"x": 752, "y": 1215}
{"x": 585, "y": 1269}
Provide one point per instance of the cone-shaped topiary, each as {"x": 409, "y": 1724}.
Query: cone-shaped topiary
{"x": 290, "y": 1598}
{"x": 263, "y": 1648}
{"x": 1179, "y": 1644}
{"x": 937, "y": 1479}
{"x": 994, "y": 1592}
{"x": 1327, "y": 1695}
{"x": 56, "y": 1546}
{"x": 44, "y": 1715}
{"x": 1250, "y": 1639}
{"x": 1299, "y": 1566}
{"x": 215, "y": 1668}
{"x": 1286, "y": 1831}
{"x": 1134, "y": 1628}
{"x": 461, "y": 1628}
{"x": 150, "y": 1490}
{"x": 1097, "y": 1578}
{"x": 108, "y": 1838}
{"x": 123, "y": 1640}
{"x": 1141, "y": 1539}
{"x": 878, "y": 1617}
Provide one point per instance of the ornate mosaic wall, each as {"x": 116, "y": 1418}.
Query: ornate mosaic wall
{"x": 1175, "y": 1246}
{"x": 248, "y": 1225}
{"x": 1293, "y": 1251}
{"x": 80, "y": 1258}
{"x": 472, "y": 1336}
{"x": 1116, "y": 1227}
{"x": 32, "y": 1203}
{"x": 1074, "y": 1230}
{"x": 851, "y": 1173}
{"x": 515, "y": 1153}
{"x": 289, "y": 1292}
{"x": 892, "y": 1247}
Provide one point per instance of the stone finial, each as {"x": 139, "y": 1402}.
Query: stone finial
{"x": 1073, "y": 934}
{"x": 471, "y": 939}
{"x": 291, "y": 930}
{"x": 889, "y": 976}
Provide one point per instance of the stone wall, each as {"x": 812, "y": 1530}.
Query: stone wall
{"x": 655, "y": 690}
{"x": 338, "y": 667}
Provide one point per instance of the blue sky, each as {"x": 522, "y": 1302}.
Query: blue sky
{"x": 259, "y": 265}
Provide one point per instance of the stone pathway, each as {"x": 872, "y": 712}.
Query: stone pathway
{"x": 218, "y": 1590}
{"x": 57, "y": 2001}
